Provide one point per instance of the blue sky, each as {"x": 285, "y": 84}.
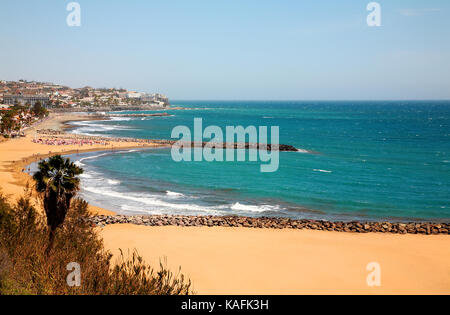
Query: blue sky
{"x": 234, "y": 49}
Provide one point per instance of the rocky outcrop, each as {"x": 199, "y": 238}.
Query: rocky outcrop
{"x": 276, "y": 223}
{"x": 239, "y": 145}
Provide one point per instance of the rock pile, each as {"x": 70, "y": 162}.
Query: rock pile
{"x": 276, "y": 223}
{"x": 237, "y": 145}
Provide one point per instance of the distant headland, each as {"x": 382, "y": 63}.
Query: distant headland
{"x": 60, "y": 97}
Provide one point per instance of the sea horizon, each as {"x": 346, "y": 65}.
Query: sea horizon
{"x": 306, "y": 100}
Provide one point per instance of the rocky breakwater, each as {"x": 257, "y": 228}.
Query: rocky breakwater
{"x": 276, "y": 223}
{"x": 236, "y": 146}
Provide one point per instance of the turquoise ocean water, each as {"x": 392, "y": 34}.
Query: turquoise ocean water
{"x": 371, "y": 161}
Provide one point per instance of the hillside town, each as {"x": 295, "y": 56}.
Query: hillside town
{"x": 23, "y": 103}
{"x": 59, "y": 97}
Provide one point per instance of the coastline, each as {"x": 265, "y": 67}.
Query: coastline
{"x": 241, "y": 260}
{"x": 17, "y": 154}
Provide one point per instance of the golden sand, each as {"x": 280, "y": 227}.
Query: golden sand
{"x": 264, "y": 261}
{"x": 257, "y": 261}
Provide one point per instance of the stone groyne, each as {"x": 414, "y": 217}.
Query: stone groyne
{"x": 276, "y": 223}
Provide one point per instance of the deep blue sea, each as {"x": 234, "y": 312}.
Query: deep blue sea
{"x": 362, "y": 161}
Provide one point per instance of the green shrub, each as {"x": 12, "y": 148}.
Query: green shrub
{"x": 25, "y": 267}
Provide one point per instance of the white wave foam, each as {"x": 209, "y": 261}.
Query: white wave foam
{"x": 151, "y": 201}
{"x": 141, "y": 209}
{"x": 87, "y": 128}
{"x": 154, "y": 203}
{"x": 92, "y": 157}
{"x": 322, "y": 171}
{"x": 120, "y": 118}
{"x": 174, "y": 194}
{"x": 302, "y": 151}
{"x": 82, "y": 132}
{"x": 240, "y": 207}
{"x": 80, "y": 163}
{"x": 113, "y": 182}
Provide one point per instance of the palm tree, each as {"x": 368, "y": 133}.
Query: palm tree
{"x": 58, "y": 183}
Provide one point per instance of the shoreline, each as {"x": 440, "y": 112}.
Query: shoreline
{"x": 17, "y": 154}
{"x": 103, "y": 216}
{"x": 407, "y": 226}
{"x": 245, "y": 260}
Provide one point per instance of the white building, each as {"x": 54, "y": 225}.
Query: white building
{"x": 134, "y": 95}
{"x": 12, "y": 99}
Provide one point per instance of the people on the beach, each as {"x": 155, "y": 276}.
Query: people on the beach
{"x": 50, "y": 132}
{"x": 59, "y": 138}
{"x": 69, "y": 141}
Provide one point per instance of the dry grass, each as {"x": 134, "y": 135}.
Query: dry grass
{"x": 26, "y": 269}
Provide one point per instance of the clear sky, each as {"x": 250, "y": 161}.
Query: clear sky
{"x": 233, "y": 49}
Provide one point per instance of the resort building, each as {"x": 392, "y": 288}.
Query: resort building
{"x": 23, "y": 99}
{"x": 134, "y": 95}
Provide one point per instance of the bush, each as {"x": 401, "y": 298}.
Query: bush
{"x": 25, "y": 268}
{"x": 4, "y": 265}
{"x": 6, "y": 214}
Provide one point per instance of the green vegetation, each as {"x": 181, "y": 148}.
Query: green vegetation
{"x": 38, "y": 110}
{"x": 57, "y": 182}
{"x": 7, "y": 123}
{"x": 27, "y": 267}
{"x": 18, "y": 117}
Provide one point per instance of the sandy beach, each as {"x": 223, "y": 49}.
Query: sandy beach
{"x": 256, "y": 261}
{"x": 253, "y": 261}
{"x": 16, "y": 154}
